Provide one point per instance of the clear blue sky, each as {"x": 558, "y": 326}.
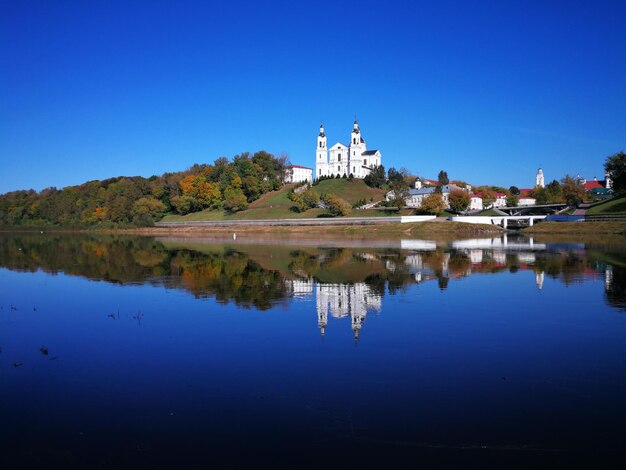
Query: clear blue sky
{"x": 485, "y": 90}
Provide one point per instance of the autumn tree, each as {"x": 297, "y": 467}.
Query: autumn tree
{"x": 459, "y": 200}
{"x": 336, "y": 205}
{"x": 433, "y": 204}
{"x": 573, "y": 192}
{"x": 488, "y": 197}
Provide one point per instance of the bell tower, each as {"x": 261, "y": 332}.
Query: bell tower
{"x": 539, "y": 181}
{"x": 321, "y": 155}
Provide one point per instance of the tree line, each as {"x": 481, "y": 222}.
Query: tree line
{"x": 227, "y": 185}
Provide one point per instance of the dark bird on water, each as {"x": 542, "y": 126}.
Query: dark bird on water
{"x": 44, "y": 350}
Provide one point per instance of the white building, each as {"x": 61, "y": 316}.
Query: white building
{"x": 298, "y": 174}
{"x": 476, "y": 203}
{"x": 342, "y": 300}
{"x": 353, "y": 159}
{"x": 539, "y": 181}
{"x": 417, "y": 196}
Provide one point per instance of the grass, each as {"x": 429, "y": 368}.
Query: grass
{"x": 617, "y": 205}
{"x": 351, "y": 191}
{"x": 276, "y": 204}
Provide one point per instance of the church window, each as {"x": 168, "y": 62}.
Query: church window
{"x": 365, "y": 162}
{"x": 338, "y": 167}
{"x": 320, "y": 171}
{"x": 320, "y": 145}
{"x": 353, "y": 152}
{"x": 339, "y": 156}
{"x": 354, "y": 141}
{"x": 353, "y": 169}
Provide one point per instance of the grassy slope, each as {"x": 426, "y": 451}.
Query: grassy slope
{"x": 351, "y": 191}
{"x": 617, "y": 205}
{"x": 276, "y": 204}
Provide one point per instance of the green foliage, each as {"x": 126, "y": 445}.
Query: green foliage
{"x": 305, "y": 200}
{"x": 376, "y": 178}
{"x": 336, "y": 205}
{"x": 148, "y": 208}
{"x": 399, "y": 188}
{"x": 514, "y": 190}
{"x": 459, "y": 200}
{"x": 573, "y": 192}
{"x": 615, "y": 168}
{"x": 142, "y": 200}
{"x": 488, "y": 197}
{"x": 512, "y": 200}
{"x": 442, "y": 178}
{"x": 234, "y": 199}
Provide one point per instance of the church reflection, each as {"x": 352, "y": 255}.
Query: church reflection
{"x": 344, "y": 283}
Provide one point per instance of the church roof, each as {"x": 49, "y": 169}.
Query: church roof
{"x": 362, "y": 140}
{"x": 370, "y": 152}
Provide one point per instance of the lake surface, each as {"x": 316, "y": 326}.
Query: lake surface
{"x": 143, "y": 352}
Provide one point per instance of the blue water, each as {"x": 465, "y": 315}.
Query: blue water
{"x": 148, "y": 372}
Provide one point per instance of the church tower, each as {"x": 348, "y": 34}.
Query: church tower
{"x": 321, "y": 155}
{"x": 539, "y": 181}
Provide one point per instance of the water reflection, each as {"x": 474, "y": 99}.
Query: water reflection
{"x": 343, "y": 282}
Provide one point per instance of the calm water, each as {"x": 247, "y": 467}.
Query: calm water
{"x": 171, "y": 352}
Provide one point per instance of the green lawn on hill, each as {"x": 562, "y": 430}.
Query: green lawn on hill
{"x": 276, "y": 204}
{"x": 617, "y": 205}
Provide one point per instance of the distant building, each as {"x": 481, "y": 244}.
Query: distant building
{"x": 417, "y": 196}
{"x": 298, "y": 174}
{"x": 476, "y": 203}
{"x": 353, "y": 159}
{"x": 539, "y": 180}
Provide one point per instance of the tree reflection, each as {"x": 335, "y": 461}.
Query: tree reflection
{"x": 261, "y": 276}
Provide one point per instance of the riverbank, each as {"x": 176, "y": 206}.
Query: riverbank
{"x": 416, "y": 230}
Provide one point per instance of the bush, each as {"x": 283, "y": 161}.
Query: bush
{"x": 336, "y": 205}
{"x": 433, "y": 204}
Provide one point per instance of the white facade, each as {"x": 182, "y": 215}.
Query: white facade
{"x": 539, "y": 181}
{"x": 476, "y": 203}
{"x": 353, "y": 159}
{"x": 298, "y": 174}
{"x": 526, "y": 201}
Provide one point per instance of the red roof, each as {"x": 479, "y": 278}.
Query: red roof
{"x": 525, "y": 192}
{"x": 298, "y": 166}
{"x": 589, "y": 185}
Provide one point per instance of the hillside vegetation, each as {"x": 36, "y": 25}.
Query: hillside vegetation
{"x": 617, "y": 205}
{"x": 277, "y": 205}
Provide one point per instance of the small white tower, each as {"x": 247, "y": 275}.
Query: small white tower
{"x": 607, "y": 180}
{"x": 321, "y": 155}
{"x": 539, "y": 181}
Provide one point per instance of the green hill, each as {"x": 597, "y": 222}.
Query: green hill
{"x": 617, "y": 205}
{"x": 276, "y": 204}
{"x": 351, "y": 191}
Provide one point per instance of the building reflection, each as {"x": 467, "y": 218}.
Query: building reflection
{"x": 339, "y": 301}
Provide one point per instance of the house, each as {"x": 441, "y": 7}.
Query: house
{"x": 416, "y": 196}
{"x": 525, "y": 198}
{"x": 298, "y": 174}
{"x": 476, "y": 203}
{"x": 353, "y": 159}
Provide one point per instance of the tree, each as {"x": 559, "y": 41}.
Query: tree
{"x": 459, "y": 200}
{"x": 336, "y": 205}
{"x": 573, "y": 192}
{"x": 615, "y": 168}
{"x": 514, "y": 190}
{"x": 147, "y": 208}
{"x": 305, "y": 200}
{"x": 433, "y": 204}
{"x": 399, "y": 187}
{"x": 376, "y": 177}
{"x": 488, "y": 197}
{"x": 512, "y": 200}
{"x": 442, "y": 177}
{"x": 234, "y": 199}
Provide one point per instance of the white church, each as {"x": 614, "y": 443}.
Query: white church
{"x": 343, "y": 159}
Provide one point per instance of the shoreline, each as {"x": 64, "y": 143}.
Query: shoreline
{"x": 438, "y": 227}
